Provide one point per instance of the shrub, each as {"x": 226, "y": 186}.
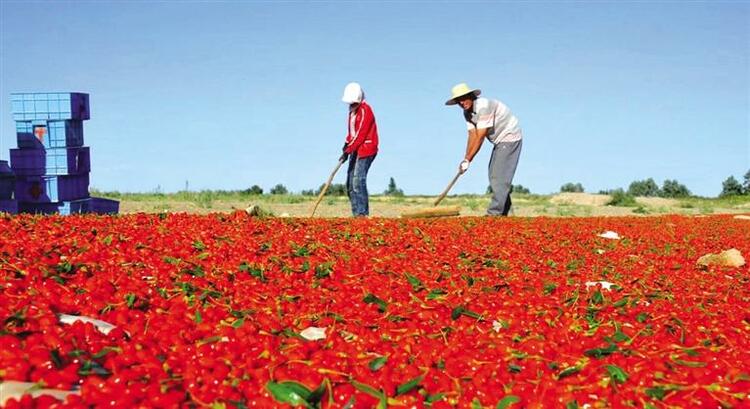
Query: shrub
{"x": 336, "y": 189}
{"x": 254, "y": 190}
{"x": 572, "y": 188}
{"x": 279, "y": 190}
{"x": 621, "y": 198}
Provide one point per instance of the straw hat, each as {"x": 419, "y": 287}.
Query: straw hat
{"x": 461, "y": 90}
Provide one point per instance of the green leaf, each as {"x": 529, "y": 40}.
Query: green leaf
{"x": 130, "y": 299}
{"x": 238, "y": 323}
{"x": 198, "y": 245}
{"x": 616, "y": 373}
{"x": 416, "y": 284}
{"x": 324, "y": 270}
{"x": 56, "y": 358}
{"x": 430, "y": 399}
{"x": 572, "y": 405}
{"x": 372, "y": 299}
{"x": 198, "y": 317}
{"x": 513, "y": 368}
{"x": 507, "y": 401}
{"x": 409, "y": 386}
{"x": 461, "y": 310}
{"x": 642, "y": 317}
{"x": 476, "y": 404}
{"x": 377, "y": 394}
{"x": 689, "y": 364}
{"x": 568, "y": 372}
{"x": 656, "y": 392}
{"x": 290, "y": 392}
{"x": 597, "y": 298}
{"x": 601, "y": 352}
{"x": 377, "y": 363}
{"x": 436, "y": 293}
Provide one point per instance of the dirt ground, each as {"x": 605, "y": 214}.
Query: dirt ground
{"x": 564, "y": 204}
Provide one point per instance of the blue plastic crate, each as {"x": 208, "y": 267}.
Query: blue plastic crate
{"x": 50, "y": 106}
{"x": 49, "y": 134}
{"x": 8, "y": 206}
{"x": 88, "y": 205}
{"x": 43, "y": 189}
{"x": 53, "y": 161}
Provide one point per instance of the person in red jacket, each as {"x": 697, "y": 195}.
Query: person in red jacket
{"x": 361, "y": 145}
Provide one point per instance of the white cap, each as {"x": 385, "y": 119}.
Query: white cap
{"x": 353, "y": 93}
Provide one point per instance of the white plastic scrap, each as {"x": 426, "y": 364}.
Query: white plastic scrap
{"x": 15, "y": 389}
{"x": 313, "y": 333}
{"x": 609, "y": 234}
{"x": 103, "y": 327}
{"x": 497, "y": 325}
{"x": 605, "y": 284}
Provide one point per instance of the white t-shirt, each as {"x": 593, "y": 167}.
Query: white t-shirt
{"x": 493, "y": 114}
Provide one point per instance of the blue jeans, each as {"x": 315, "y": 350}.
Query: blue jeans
{"x": 356, "y": 184}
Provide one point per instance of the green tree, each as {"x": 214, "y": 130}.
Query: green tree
{"x": 572, "y": 188}
{"x": 646, "y": 188}
{"x": 523, "y": 190}
{"x": 731, "y": 187}
{"x": 279, "y": 190}
{"x": 254, "y": 190}
{"x": 673, "y": 188}
{"x": 746, "y": 184}
{"x": 393, "y": 190}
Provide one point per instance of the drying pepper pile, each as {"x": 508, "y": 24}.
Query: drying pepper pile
{"x": 231, "y": 311}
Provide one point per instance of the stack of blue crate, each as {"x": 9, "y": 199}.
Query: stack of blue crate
{"x": 51, "y": 165}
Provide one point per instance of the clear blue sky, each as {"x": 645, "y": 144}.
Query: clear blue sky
{"x": 230, "y": 94}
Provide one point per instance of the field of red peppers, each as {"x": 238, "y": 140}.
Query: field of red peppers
{"x": 229, "y": 311}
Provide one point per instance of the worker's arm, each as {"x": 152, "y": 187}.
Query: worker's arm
{"x": 473, "y": 143}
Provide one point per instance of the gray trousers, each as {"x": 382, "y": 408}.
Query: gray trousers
{"x": 503, "y": 163}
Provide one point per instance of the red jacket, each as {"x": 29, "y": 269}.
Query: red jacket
{"x": 363, "y": 132}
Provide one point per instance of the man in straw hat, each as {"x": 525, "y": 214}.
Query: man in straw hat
{"x": 491, "y": 119}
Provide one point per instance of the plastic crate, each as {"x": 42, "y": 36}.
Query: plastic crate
{"x": 41, "y": 189}
{"x": 50, "y": 106}
{"x": 88, "y": 205}
{"x": 54, "y": 161}
{"x": 49, "y": 134}
{"x": 7, "y": 181}
{"x": 102, "y": 206}
{"x": 8, "y": 206}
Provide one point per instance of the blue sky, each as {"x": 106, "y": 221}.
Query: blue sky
{"x": 229, "y": 94}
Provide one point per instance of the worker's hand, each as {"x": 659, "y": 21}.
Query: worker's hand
{"x": 344, "y": 157}
{"x": 463, "y": 166}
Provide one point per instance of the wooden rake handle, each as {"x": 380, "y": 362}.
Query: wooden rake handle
{"x": 447, "y": 189}
{"x": 325, "y": 188}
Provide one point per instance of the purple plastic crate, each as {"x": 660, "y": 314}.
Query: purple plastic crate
{"x": 8, "y": 206}
{"x": 42, "y": 189}
{"x": 88, "y": 205}
{"x": 102, "y": 206}
{"x": 7, "y": 181}
{"x": 50, "y": 106}
{"x": 49, "y": 134}
{"x": 55, "y": 161}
